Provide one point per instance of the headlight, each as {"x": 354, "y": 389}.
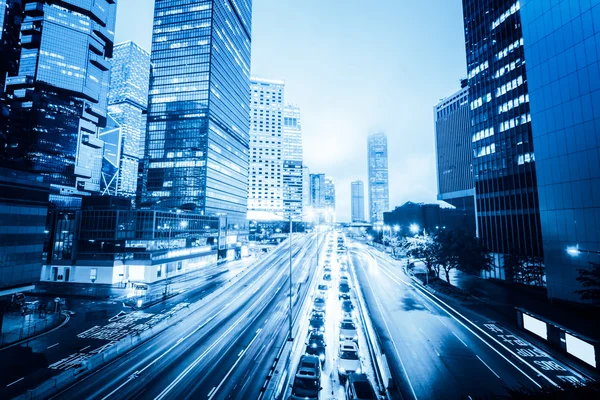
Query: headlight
{"x": 357, "y": 370}
{"x": 314, "y": 345}
{"x": 341, "y": 337}
{"x": 355, "y": 337}
{"x": 322, "y": 329}
{"x": 342, "y": 370}
{"x": 322, "y": 357}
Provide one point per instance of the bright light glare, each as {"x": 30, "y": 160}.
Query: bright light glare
{"x": 580, "y": 349}
{"x": 573, "y": 251}
{"x": 140, "y": 302}
{"x": 414, "y": 228}
{"x": 397, "y": 228}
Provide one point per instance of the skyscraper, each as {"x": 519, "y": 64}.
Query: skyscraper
{"x": 454, "y": 156}
{"x": 59, "y": 94}
{"x": 306, "y": 200}
{"x": 561, "y": 42}
{"x": 266, "y": 188}
{"x": 125, "y": 132}
{"x": 197, "y": 140}
{"x": 503, "y": 149}
{"x": 329, "y": 200}
{"x": 358, "y": 201}
{"x": 10, "y": 29}
{"x": 379, "y": 198}
{"x": 292, "y": 163}
{"x": 317, "y": 191}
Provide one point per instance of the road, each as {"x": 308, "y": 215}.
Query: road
{"x": 223, "y": 350}
{"x": 437, "y": 350}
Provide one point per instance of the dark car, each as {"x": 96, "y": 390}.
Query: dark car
{"x": 358, "y": 387}
{"x": 344, "y": 289}
{"x": 347, "y": 306}
{"x": 316, "y": 345}
{"x": 327, "y": 277}
{"x": 317, "y": 321}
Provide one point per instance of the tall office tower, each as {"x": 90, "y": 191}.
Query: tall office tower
{"x": 125, "y": 131}
{"x": 329, "y": 211}
{"x": 10, "y": 28}
{"x": 564, "y": 88}
{"x": 379, "y": 197}
{"x": 317, "y": 191}
{"x": 358, "y": 201}
{"x": 454, "y": 156}
{"x": 196, "y": 152}
{"x": 59, "y": 95}
{"x": 306, "y": 199}
{"x": 503, "y": 157}
{"x": 292, "y": 163}
{"x": 266, "y": 188}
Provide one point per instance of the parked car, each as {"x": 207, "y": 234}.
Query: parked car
{"x": 358, "y": 387}
{"x": 349, "y": 361}
{"x": 307, "y": 381}
{"x": 348, "y": 330}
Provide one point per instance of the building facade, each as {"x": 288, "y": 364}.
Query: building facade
{"x": 293, "y": 170}
{"x": 266, "y": 191}
{"x": 306, "y": 199}
{"x": 59, "y": 95}
{"x": 562, "y": 40}
{"x": 197, "y": 140}
{"x": 23, "y": 209}
{"x": 504, "y": 162}
{"x": 357, "y": 191}
{"x": 330, "y": 198}
{"x": 430, "y": 218}
{"x": 10, "y": 30}
{"x": 124, "y": 135}
{"x": 379, "y": 197}
{"x": 454, "y": 157}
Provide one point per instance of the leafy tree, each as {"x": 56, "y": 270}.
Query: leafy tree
{"x": 472, "y": 257}
{"x": 590, "y": 280}
{"x": 425, "y": 248}
{"x": 524, "y": 269}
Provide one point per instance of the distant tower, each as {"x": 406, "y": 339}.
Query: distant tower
{"x": 293, "y": 170}
{"x": 358, "y": 201}
{"x": 379, "y": 198}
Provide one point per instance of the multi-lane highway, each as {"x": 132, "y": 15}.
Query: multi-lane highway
{"x": 437, "y": 350}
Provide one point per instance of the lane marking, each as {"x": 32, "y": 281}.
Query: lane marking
{"x": 539, "y": 373}
{"x": 441, "y": 320}
{"x": 212, "y": 391}
{"x": 459, "y": 339}
{"x": 233, "y": 367}
{"x": 493, "y": 372}
{"x": 18, "y": 380}
{"x": 388, "y": 330}
{"x": 55, "y": 344}
{"x": 86, "y": 347}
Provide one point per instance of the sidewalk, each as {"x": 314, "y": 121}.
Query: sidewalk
{"x": 17, "y": 326}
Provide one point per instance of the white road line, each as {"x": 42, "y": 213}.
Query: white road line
{"x": 441, "y": 320}
{"x": 233, "y": 367}
{"x": 18, "y": 380}
{"x": 538, "y": 372}
{"x": 389, "y": 332}
{"x": 212, "y": 391}
{"x": 493, "y": 372}
{"x": 459, "y": 339}
{"x": 55, "y": 344}
{"x": 86, "y": 347}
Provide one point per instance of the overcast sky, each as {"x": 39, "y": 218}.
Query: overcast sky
{"x": 353, "y": 67}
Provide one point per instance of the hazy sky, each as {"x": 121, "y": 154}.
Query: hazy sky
{"x": 353, "y": 67}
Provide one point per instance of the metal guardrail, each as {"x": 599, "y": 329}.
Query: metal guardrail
{"x": 30, "y": 330}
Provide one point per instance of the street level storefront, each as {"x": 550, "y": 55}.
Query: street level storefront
{"x": 107, "y": 242}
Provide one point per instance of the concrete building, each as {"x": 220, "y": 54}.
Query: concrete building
{"x": 358, "y": 201}
{"x": 10, "y": 49}
{"x": 59, "y": 95}
{"x": 124, "y": 135}
{"x": 428, "y": 217}
{"x": 266, "y": 187}
{"x": 564, "y": 91}
{"x": 379, "y": 198}
{"x": 306, "y": 199}
{"x": 454, "y": 157}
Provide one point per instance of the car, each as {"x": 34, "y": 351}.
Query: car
{"x": 344, "y": 278}
{"x": 348, "y": 330}
{"x": 347, "y": 306}
{"x": 358, "y": 387}
{"x": 307, "y": 381}
{"x": 315, "y": 345}
{"x": 319, "y": 304}
{"x": 317, "y": 321}
{"x": 349, "y": 361}
{"x": 322, "y": 289}
{"x": 327, "y": 277}
{"x": 344, "y": 291}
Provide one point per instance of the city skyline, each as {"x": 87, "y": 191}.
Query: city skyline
{"x": 393, "y": 100}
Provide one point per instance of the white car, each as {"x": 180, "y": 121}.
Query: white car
{"x": 348, "y": 330}
{"x": 349, "y": 361}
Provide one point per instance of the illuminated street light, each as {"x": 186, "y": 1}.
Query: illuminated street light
{"x": 573, "y": 251}
{"x": 396, "y": 228}
{"x": 414, "y": 228}
{"x": 369, "y": 238}
{"x": 183, "y": 224}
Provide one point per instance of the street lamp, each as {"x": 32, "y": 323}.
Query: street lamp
{"x": 574, "y": 251}
{"x": 396, "y": 228}
{"x": 414, "y": 228}
{"x": 290, "y": 338}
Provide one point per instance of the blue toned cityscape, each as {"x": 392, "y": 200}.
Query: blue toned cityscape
{"x": 313, "y": 200}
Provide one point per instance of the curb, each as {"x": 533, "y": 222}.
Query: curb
{"x": 25, "y": 340}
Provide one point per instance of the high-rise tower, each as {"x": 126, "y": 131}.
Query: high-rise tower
{"x": 379, "y": 198}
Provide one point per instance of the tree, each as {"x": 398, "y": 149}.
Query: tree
{"x": 426, "y": 249}
{"x": 590, "y": 280}
{"x": 524, "y": 269}
{"x": 472, "y": 257}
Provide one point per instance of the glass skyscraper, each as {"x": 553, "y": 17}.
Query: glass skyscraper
{"x": 10, "y": 28}
{"x": 379, "y": 197}
{"x": 124, "y": 134}
{"x": 292, "y": 163}
{"x": 197, "y": 139}
{"x": 60, "y": 93}
{"x": 562, "y": 47}
{"x": 503, "y": 149}
{"x": 358, "y": 201}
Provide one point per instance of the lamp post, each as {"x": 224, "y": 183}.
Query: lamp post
{"x": 574, "y": 251}
{"x": 290, "y": 338}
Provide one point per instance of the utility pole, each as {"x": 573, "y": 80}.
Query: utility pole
{"x": 290, "y": 338}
